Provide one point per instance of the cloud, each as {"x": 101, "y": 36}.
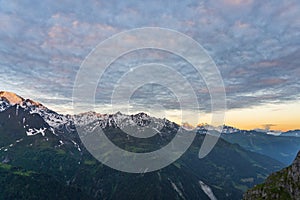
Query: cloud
{"x": 238, "y": 2}
{"x": 255, "y": 45}
{"x": 268, "y": 126}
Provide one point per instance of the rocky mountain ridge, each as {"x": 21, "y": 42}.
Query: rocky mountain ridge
{"x": 284, "y": 185}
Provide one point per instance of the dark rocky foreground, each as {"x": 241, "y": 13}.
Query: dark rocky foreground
{"x": 284, "y": 184}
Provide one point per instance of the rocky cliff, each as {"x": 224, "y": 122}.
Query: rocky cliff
{"x": 284, "y": 184}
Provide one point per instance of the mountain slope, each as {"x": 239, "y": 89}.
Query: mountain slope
{"x": 284, "y": 184}
{"x": 17, "y": 183}
{"x": 292, "y": 133}
{"x": 54, "y": 148}
{"x": 283, "y": 149}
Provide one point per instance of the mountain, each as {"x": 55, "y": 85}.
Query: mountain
{"x": 281, "y": 148}
{"x": 203, "y": 128}
{"x": 284, "y": 184}
{"x": 17, "y": 183}
{"x": 36, "y": 139}
{"x": 292, "y": 133}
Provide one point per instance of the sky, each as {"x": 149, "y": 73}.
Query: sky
{"x": 254, "y": 44}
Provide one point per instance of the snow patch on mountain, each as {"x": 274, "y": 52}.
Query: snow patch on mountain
{"x": 4, "y": 105}
{"x": 51, "y": 118}
{"x": 34, "y": 131}
{"x": 176, "y": 189}
{"x": 207, "y": 190}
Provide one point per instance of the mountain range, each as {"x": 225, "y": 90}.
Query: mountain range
{"x": 282, "y": 147}
{"x": 43, "y": 149}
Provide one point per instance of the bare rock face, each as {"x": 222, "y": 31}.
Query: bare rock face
{"x": 10, "y": 97}
{"x": 284, "y": 184}
{"x": 14, "y": 99}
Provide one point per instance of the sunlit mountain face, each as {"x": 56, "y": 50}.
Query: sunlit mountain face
{"x": 225, "y": 72}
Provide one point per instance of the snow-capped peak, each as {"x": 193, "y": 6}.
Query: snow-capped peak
{"x": 11, "y": 98}
{"x": 225, "y": 129}
{"x": 14, "y": 99}
{"x": 8, "y": 99}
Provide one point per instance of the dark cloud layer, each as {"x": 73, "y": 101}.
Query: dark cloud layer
{"x": 255, "y": 45}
